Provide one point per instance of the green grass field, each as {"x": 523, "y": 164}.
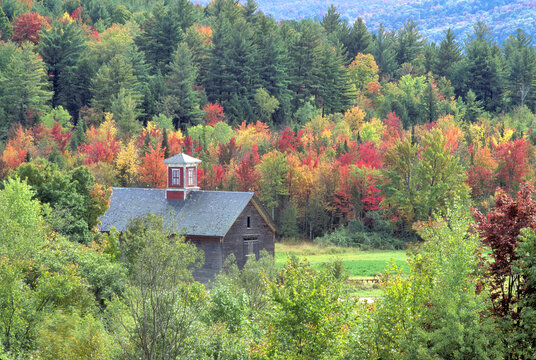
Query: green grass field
{"x": 361, "y": 266}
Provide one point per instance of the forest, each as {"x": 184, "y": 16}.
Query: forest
{"x": 375, "y": 139}
{"x": 432, "y": 16}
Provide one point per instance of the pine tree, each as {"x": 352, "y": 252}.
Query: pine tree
{"x": 409, "y": 43}
{"x": 521, "y": 67}
{"x": 24, "y": 85}
{"x": 113, "y": 76}
{"x": 181, "y": 102}
{"x": 359, "y": 40}
{"x": 6, "y": 30}
{"x": 273, "y": 69}
{"x": 160, "y": 37}
{"x": 334, "y": 92}
{"x": 485, "y": 68}
{"x": 304, "y": 60}
{"x": 384, "y": 52}
{"x": 449, "y": 54}
{"x": 62, "y": 48}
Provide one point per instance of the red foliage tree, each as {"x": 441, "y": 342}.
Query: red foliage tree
{"x": 214, "y": 113}
{"x": 190, "y": 147}
{"x": 27, "y": 26}
{"x": 213, "y": 179}
{"x": 246, "y": 174}
{"x": 288, "y": 140}
{"x": 368, "y": 155}
{"x": 512, "y": 159}
{"x": 500, "y": 229}
{"x": 152, "y": 168}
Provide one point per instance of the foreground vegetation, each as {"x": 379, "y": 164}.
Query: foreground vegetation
{"x": 64, "y": 300}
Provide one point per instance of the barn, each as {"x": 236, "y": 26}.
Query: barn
{"x": 220, "y": 223}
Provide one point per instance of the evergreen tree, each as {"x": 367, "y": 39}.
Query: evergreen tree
{"x": 384, "y": 52}
{"x": 473, "y": 107}
{"x": 24, "y": 86}
{"x": 62, "y": 48}
{"x": 181, "y": 102}
{"x": 409, "y": 43}
{"x": 6, "y": 30}
{"x": 126, "y": 112}
{"x": 485, "y": 68}
{"x": 183, "y": 13}
{"x": 304, "y": 61}
{"x": 110, "y": 79}
{"x": 79, "y": 134}
{"x": 331, "y": 21}
{"x": 160, "y": 37}
{"x": 234, "y": 70}
{"x": 334, "y": 91}
{"x": 273, "y": 70}
{"x": 359, "y": 40}
{"x": 521, "y": 68}
{"x": 449, "y": 53}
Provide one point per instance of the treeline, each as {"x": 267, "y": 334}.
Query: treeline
{"x": 174, "y": 58}
{"x": 325, "y": 123}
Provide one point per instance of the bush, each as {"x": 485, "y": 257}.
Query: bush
{"x": 372, "y": 233}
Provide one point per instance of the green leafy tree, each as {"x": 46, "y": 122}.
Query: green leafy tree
{"x": 75, "y": 210}
{"x": 162, "y": 303}
{"x": 266, "y": 105}
{"x": 436, "y": 311}
{"x": 305, "y": 318}
{"x": 273, "y": 181}
{"x": 422, "y": 180}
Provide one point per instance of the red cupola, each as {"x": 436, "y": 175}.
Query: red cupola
{"x": 181, "y": 176}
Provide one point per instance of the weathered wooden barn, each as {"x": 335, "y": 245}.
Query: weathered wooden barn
{"x": 219, "y": 222}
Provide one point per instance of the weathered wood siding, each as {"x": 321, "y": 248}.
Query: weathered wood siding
{"x": 234, "y": 241}
{"x": 212, "y": 249}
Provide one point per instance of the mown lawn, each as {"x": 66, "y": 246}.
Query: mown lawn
{"x": 362, "y": 266}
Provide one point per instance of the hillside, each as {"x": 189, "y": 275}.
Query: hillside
{"x": 433, "y": 16}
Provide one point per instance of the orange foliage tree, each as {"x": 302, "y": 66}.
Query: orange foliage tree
{"x": 152, "y": 169}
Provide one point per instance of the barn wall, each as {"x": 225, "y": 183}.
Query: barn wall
{"x": 212, "y": 249}
{"x": 234, "y": 241}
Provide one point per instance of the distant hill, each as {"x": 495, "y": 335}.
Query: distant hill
{"x": 433, "y": 16}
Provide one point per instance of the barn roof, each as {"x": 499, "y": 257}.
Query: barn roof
{"x": 203, "y": 213}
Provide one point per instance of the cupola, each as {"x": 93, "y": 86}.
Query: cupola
{"x": 181, "y": 176}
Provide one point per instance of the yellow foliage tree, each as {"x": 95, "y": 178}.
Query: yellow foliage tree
{"x": 127, "y": 163}
{"x": 354, "y": 117}
{"x": 363, "y": 70}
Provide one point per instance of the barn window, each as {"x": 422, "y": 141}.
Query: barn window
{"x": 191, "y": 180}
{"x": 248, "y": 222}
{"x": 251, "y": 247}
{"x": 176, "y": 177}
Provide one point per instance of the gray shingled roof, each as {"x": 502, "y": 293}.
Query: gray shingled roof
{"x": 182, "y": 159}
{"x": 203, "y": 213}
